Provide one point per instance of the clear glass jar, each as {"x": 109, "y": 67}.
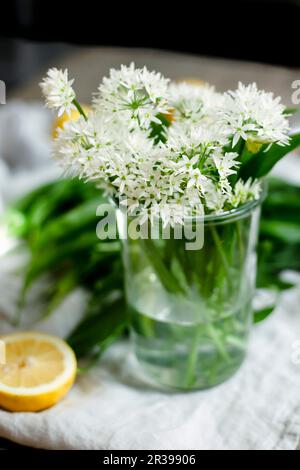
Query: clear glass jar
{"x": 191, "y": 310}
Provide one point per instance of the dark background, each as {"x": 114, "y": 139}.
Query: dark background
{"x": 36, "y": 31}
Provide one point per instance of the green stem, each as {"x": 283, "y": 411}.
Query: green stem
{"x": 79, "y": 108}
{"x": 166, "y": 277}
{"x": 192, "y": 361}
{"x": 240, "y": 241}
{"x": 222, "y": 254}
{"x": 146, "y": 324}
{"x": 214, "y": 334}
{"x": 190, "y": 376}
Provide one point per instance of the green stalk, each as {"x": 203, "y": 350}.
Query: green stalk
{"x": 213, "y": 332}
{"x": 240, "y": 241}
{"x": 221, "y": 252}
{"x": 79, "y": 108}
{"x": 166, "y": 277}
{"x": 192, "y": 361}
{"x": 190, "y": 376}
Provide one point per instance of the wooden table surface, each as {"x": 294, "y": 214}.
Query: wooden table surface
{"x": 89, "y": 64}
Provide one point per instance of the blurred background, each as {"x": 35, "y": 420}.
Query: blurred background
{"x": 218, "y": 42}
{"x": 35, "y": 33}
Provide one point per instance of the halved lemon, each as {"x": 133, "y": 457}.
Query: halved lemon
{"x": 193, "y": 81}
{"x": 59, "y": 122}
{"x": 39, "y": 370}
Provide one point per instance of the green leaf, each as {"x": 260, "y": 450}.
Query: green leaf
{"x": 25, "y": 203}
{"x": 57, "y": 260}
{"x": 66, "y": 284}
{"x": 286, "y": 231}
{"x": 262, "y": 162}
{"x": 260, "y": 315}
{"x": 70, "y": 224}
{"x": 15, "y": 221}
{"x": 158, "y": 130}
{"x": 291, "y": 111}
{"x": 97, "y": 330}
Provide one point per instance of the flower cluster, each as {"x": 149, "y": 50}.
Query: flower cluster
{"x": 58, "y": 91}
{"x": 135, "y": 96}
{"x": 167, "y": 149}
{"x": 194, "y": 104}
{"x": 254, "y": 115}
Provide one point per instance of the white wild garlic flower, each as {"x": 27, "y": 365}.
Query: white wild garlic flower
{"x": 165, "y": 149}
{"x": 135, "y": 96}
{"x": 253, "y": 114}
{"x": 58, "y": 91}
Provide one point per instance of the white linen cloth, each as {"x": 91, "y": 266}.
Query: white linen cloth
{"x": 112, "y": 407}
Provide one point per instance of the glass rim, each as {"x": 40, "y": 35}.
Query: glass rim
{"x": 232, "y": 214}
{"x": 237, "y": 212}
